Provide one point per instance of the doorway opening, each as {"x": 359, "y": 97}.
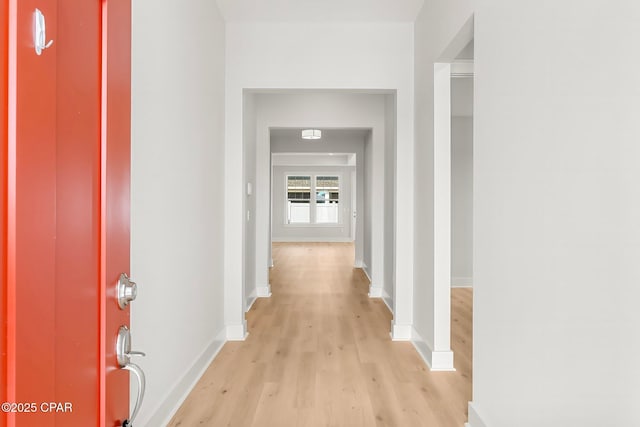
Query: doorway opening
{"x": 339, "y": 188}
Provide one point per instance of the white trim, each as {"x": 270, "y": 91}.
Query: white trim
{"x": 237, "y": 332}
{"x": 388, "y": 301}
{"x": 311, "y": 239}
{"x": 252, "y": 298}
{"x": 474, "y": 417}
{"x": 422, "y": 347}
{"x": 461, "y": 282}
{"x": 442, "y": 361}
{"x": 174, "y": 398}
{"x": 366, "y": 272}
{"x": 259, "y": 292}
{"x": 400, "y": 332}
{"x": 441, "y": 338}
{"x": 375, "y": 291}
{"x": 462, "y": 68}
{"x": 435, "y": 360}
{"x": 271, "y": 260}
{"x": 358, "y": 264}
{"x": 263, "y": 291}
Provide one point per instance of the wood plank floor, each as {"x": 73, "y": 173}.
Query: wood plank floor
{"x": 319, "y": 354}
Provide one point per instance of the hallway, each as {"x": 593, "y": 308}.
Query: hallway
{"x": 319, "y": 354}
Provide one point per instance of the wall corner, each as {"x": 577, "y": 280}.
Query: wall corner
{"x": 474, "y": 417}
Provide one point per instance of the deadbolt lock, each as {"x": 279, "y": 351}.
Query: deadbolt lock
{"x": 126, "y": 291}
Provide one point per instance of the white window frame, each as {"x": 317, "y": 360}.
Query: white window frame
{"x": 312, "y": 206}
{"x": 286, "y": 199}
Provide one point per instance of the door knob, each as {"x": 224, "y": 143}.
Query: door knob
{"x": 126, "y": 291}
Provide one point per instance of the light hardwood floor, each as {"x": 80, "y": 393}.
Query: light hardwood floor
{"x": 319, "y": 354}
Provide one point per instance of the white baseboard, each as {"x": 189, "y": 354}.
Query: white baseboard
{"x": 375, "y": 291}
{"x": 435, "y": 360}
{"x": 312, "y": 239}
{"x": 263, "y": 291}
{"x": 364, "y": 268}
{"x": 271, "y": 263}
{"x": 237, "y": 332}
{"x": 461, "y": 282}
{"x": 259, "y": 292}
{"x": 442, "y": 361}
{"x": 252, "y": 298}
{"x": 358, "y": 264}
{"x": 378, "y": 292}
{"x": 162, "y": 413}
{"x": 388, "y": 301}
{"x": 400, "y": 332}
{"x": 474, "y": 418}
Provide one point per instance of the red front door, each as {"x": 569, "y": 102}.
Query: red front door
{"x": 64, "y": 170}
{"x": 116, "y": 153}
{"x": 4, "y": 25}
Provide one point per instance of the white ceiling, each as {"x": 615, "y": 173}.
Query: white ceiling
{"x": 320, "y": 10}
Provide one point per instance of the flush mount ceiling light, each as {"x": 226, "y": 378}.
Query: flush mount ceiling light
{"x": 311, "y": 134}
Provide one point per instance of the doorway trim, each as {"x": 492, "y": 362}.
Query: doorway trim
{"x": 442, "y": 356}
{"x": 235, "y": 175}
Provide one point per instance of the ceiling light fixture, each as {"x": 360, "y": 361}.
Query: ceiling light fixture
{"x": 311, "y": 134}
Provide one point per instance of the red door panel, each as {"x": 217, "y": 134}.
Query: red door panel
{"x": 116, "y": 152}
{"x": 78, "y": 212}
{"x": 31, "y": 215}
{"x": 4, "y": 25}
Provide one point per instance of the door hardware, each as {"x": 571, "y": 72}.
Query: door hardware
{"x": 123, "y": 355}
{"x": 40, "y": 33}
{"x": 126, "y": 290}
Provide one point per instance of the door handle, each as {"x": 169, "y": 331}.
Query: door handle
{"x": 124, "y": 354}
{"x": 139, "y": 373}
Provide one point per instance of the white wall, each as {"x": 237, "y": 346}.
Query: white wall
{"x": 461, "y": 182}
{"x": 329, "y": 56}
{"x": 557, "y": 213}
{"x": 367, "y": 259}
{"x": 249, "y": 137}
{"x": 438, "y": 23}
{"x": 283, "y": 232}
{"x": 462, "y": 96}
{"x": 177, "y": 185}
{"x": 390, "y": 201}
{"x": 461, "y": 201}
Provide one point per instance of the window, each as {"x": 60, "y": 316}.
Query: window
{"x": 327, "y": 198}
{"x": 324, "y": 208}
{"x": 298, "y": 199}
